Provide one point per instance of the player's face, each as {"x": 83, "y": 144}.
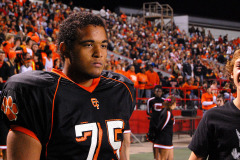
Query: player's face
{"x": 220, "y": 102}
{"x": 132, "y": 69}
{"x": 209, "y": 91}
{"x": 236, "y": 73}
{"x": 89, "y": 53}
{"x": 158, "y": 92}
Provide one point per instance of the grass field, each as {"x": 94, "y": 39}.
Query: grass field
{"x": 179, "y": 154}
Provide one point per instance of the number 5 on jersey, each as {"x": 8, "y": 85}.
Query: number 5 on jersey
{"x": 83, "y": 131}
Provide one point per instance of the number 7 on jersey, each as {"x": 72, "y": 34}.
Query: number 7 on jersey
{"x": 83, "y": 131}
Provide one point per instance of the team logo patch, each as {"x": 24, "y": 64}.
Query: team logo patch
{"x": 95, "y": 102}
{"x": 9, "y": 108}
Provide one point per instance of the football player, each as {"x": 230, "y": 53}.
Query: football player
{"x": 79, "y": 113}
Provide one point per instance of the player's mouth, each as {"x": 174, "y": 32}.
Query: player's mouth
{"x": 97, "y": 64}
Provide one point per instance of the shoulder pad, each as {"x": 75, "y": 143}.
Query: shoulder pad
{"x": 116, "y": 76}
{"x": 33, "y": 78}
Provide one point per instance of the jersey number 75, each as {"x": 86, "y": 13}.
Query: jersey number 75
{"x": 95, "y": 131}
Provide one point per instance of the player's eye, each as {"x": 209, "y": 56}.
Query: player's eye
{"x": 88, "y": 45}
{"x": 104, "y": 46}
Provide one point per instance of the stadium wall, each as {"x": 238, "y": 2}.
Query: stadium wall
{"x": 182, "y": 22}
{"x": 216, "y": 27}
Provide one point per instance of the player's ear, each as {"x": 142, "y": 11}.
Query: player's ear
{"x": 63, "y": 49}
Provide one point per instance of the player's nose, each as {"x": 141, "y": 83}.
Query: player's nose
{"x": 98, "y": 51}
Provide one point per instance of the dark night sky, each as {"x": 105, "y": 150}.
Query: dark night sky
{"x": 218, "y": 9}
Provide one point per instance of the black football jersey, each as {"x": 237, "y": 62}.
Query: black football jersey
{"x": 71, "y": 121}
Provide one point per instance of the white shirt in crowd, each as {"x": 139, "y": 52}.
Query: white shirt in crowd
{"x": 23, "y": 68}
{"x": 49, "y": 64}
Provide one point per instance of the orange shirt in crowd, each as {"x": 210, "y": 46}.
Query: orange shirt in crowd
{"x": 120, "y": 72}
{"x": 133, "y": 77}
{"x": 56, "y": 56}
{"x": 142, "y": 80}
{"x": 153, "y": 79}
{"x": 44, "y": 56}
{"x": 189, "y": 87}
{"x": 207, "y": 97}
{"x": 6, "y": 47}
{"x": 124, "y": 17}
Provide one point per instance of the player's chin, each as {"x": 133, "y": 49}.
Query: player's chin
{"x": 96, "y": 74}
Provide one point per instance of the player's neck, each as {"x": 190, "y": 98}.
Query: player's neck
{"x": 81, "y": 80}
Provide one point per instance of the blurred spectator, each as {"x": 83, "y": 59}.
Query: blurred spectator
{"x": 103, "y": 12}
{"x": 124, "y": 17}
{"x": 57, "y": 64}
{"x": 221, "y": 58}
{"x": 11, "y": 63}
{"x": 153, "y": 80}
{"x": 26, "y": 66}
{"x": 49, "y": 61}
{"x": 207, "y": 100}
{"x": 142, "y": 82}
{"x": 198, "y": 70}
{"x": 4, "y": 69}
{"x": 8, "y": 44}
{"x": 38, "y": 65}
{"x": 132, "y": 75}
{"x": 188, "y": 88}
{"x": 187, "y": 69}
{"x": 214, "y": 87}
{"x": 220, "y": 100}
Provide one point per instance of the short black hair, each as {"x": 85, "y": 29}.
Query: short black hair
{"x": 70, "y": 27}
{"x": 220, "y": 96}
{"x": 48, "y": 52}
{"x": 157, "y": 87}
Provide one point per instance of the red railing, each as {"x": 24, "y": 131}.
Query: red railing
{"x": 185, "y": 90}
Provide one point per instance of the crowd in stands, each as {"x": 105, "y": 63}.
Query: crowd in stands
{"x": 28, "y": 34}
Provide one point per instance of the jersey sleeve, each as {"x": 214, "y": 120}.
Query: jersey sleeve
{"x": 149, "y": 107}
{"x": 131, "y": 100}
{"x": 201, "y": 140}
{"x": 25, "y": 112}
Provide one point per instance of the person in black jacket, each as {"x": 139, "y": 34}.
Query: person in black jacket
{"x": 187, "y": 69}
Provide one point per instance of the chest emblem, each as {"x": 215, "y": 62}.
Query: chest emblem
{"x": 95, "y": 102}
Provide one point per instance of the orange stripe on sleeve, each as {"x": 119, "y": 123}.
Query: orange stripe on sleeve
{"x": 25, "y": 131}
{"x": 52, "y": 114}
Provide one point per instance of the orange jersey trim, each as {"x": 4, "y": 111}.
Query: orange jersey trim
{"x": 24, "y": 130}
{"x": 52, "y": 115}
{"x": 89, "y": 89}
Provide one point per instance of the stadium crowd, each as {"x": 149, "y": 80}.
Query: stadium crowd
{"x": 196, "y": 60}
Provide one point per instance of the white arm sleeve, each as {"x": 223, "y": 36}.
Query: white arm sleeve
{"x": 215, "y": 99}
{"x": 206, "y": 103}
